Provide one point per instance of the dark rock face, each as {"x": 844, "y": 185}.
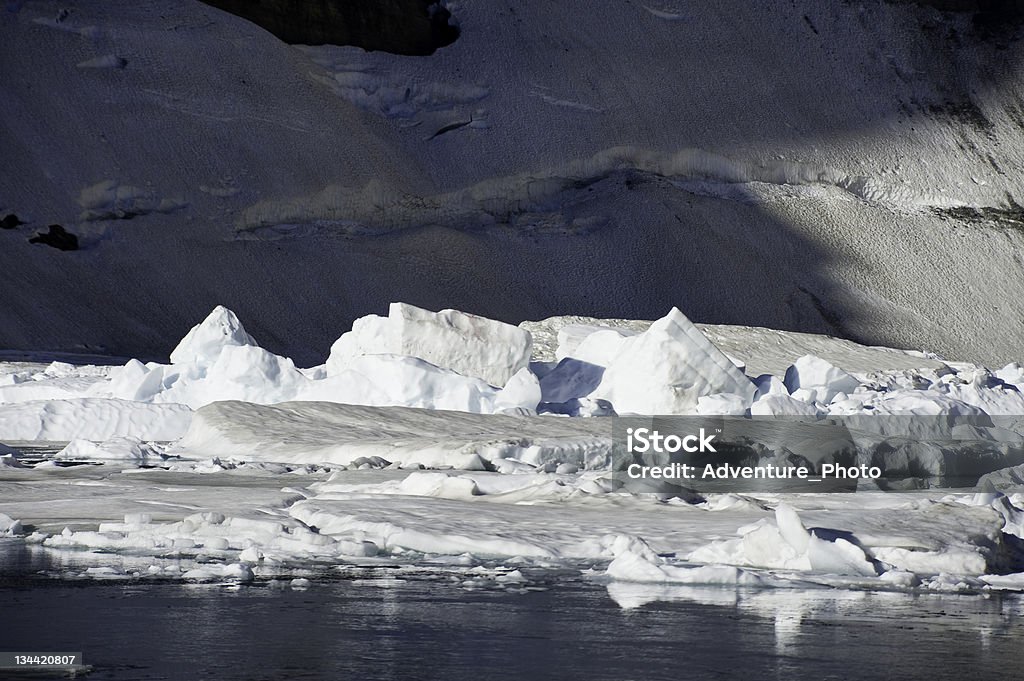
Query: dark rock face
{"x": 413, "y": 27}
{"x": 58, "y": 238}
{"x": 10, "y": 222}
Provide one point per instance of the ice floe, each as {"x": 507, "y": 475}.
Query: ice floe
{"x": 470, "y": 345}
{"x": 436, "y": 439}
{"x": 667, "y": 368}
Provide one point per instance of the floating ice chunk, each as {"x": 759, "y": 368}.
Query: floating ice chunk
{"x": 237, "y": 372}
{"x": 510, "y": 466}
{"x": 902, "y": 578}
{"x": 792, "y": 528}
{"x": 924, "y": 403}
{"x": 948, "y": 412}
{"x": 667, "y": 368}
{"x": 414, "y": 535}
{"x": 232, "y": 572}
{"x": 769, "y": 384}
{"x": 634, "y": 567}
{"x": 965, "y": 560}
{"x": 613, "y": 546}
{"x": 9, "y": 460}
{"x": 397, "y": 380}
{"x": 470, "y": 345}
{"x": 600, "y": 346}
{"x": 216, "y": 360}
{"x": 781, "y": 405}
{"x": 1003, "y": 479}
{"x": 722, "y": 405}
{"x": 246, "y": 372}
{"x": 134, "y": 381}
{"x": 512, "y": 577}
{"x": 9, "y": 527}
{"x": 1013, "y": 517}
{"x": 631, "y": 595}
{"x": 117, "y": 449}
{"x": 370, "y": 335}
{"x": 988, "y": 396}
{"x": 1011, "y": 374}
{"x": 952, "y": 583}
{"x": 839, "y": 557}
{"x": 761, "y": 545}
{"x": 58, "y": 381}
{"x": 522, "y": 391}
{"x": 104, "y": 572}
{"x": 239, "y": 572}
{"x": 570, "y": 336}
{"x": 788, "y": 545}
{"x": 204, "y": 342}
{"x": 439, "y": 485}
{"x": 137, "y": 518}
{"x": 1011, "y": 582}
{"x": 819, "y": 377}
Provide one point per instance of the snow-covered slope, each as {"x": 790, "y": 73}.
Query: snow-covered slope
{"x": 850, "y": 168}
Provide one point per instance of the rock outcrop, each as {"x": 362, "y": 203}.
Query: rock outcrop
{"x": 414, "y": 27}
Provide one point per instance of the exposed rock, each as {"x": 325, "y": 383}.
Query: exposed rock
{"x": 57, "y": 237}
{"x": 415, "y": 27}
{"x": 10, "y": 221}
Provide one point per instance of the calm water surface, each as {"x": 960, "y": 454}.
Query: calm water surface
{"x": 432, "y": 628}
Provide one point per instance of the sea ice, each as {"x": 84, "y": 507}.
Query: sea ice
{"x": 667, "y": 368}
{"x": 122, "y": 449}
{"x": 470, "y": 345}
{"x": 92, "y": 419}
{"x": 204, "y": 342}
{"x": 632, "y": 567}
{"x": 822, "y": 379}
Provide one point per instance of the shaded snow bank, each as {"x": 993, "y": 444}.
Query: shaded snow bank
{"x": 318, "y": 432}
{"x": 92, "y": 419}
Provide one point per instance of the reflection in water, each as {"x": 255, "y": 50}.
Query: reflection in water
{"x": 426, "y": 626}
{"x": 987, "y": 621}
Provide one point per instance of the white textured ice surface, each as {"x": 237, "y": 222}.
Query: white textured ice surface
{"x": 254, "y": 485}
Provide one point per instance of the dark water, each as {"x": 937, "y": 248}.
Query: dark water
{"x": 431, "y": 628}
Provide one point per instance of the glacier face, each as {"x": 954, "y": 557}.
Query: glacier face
{"x": 829, "y": 169}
